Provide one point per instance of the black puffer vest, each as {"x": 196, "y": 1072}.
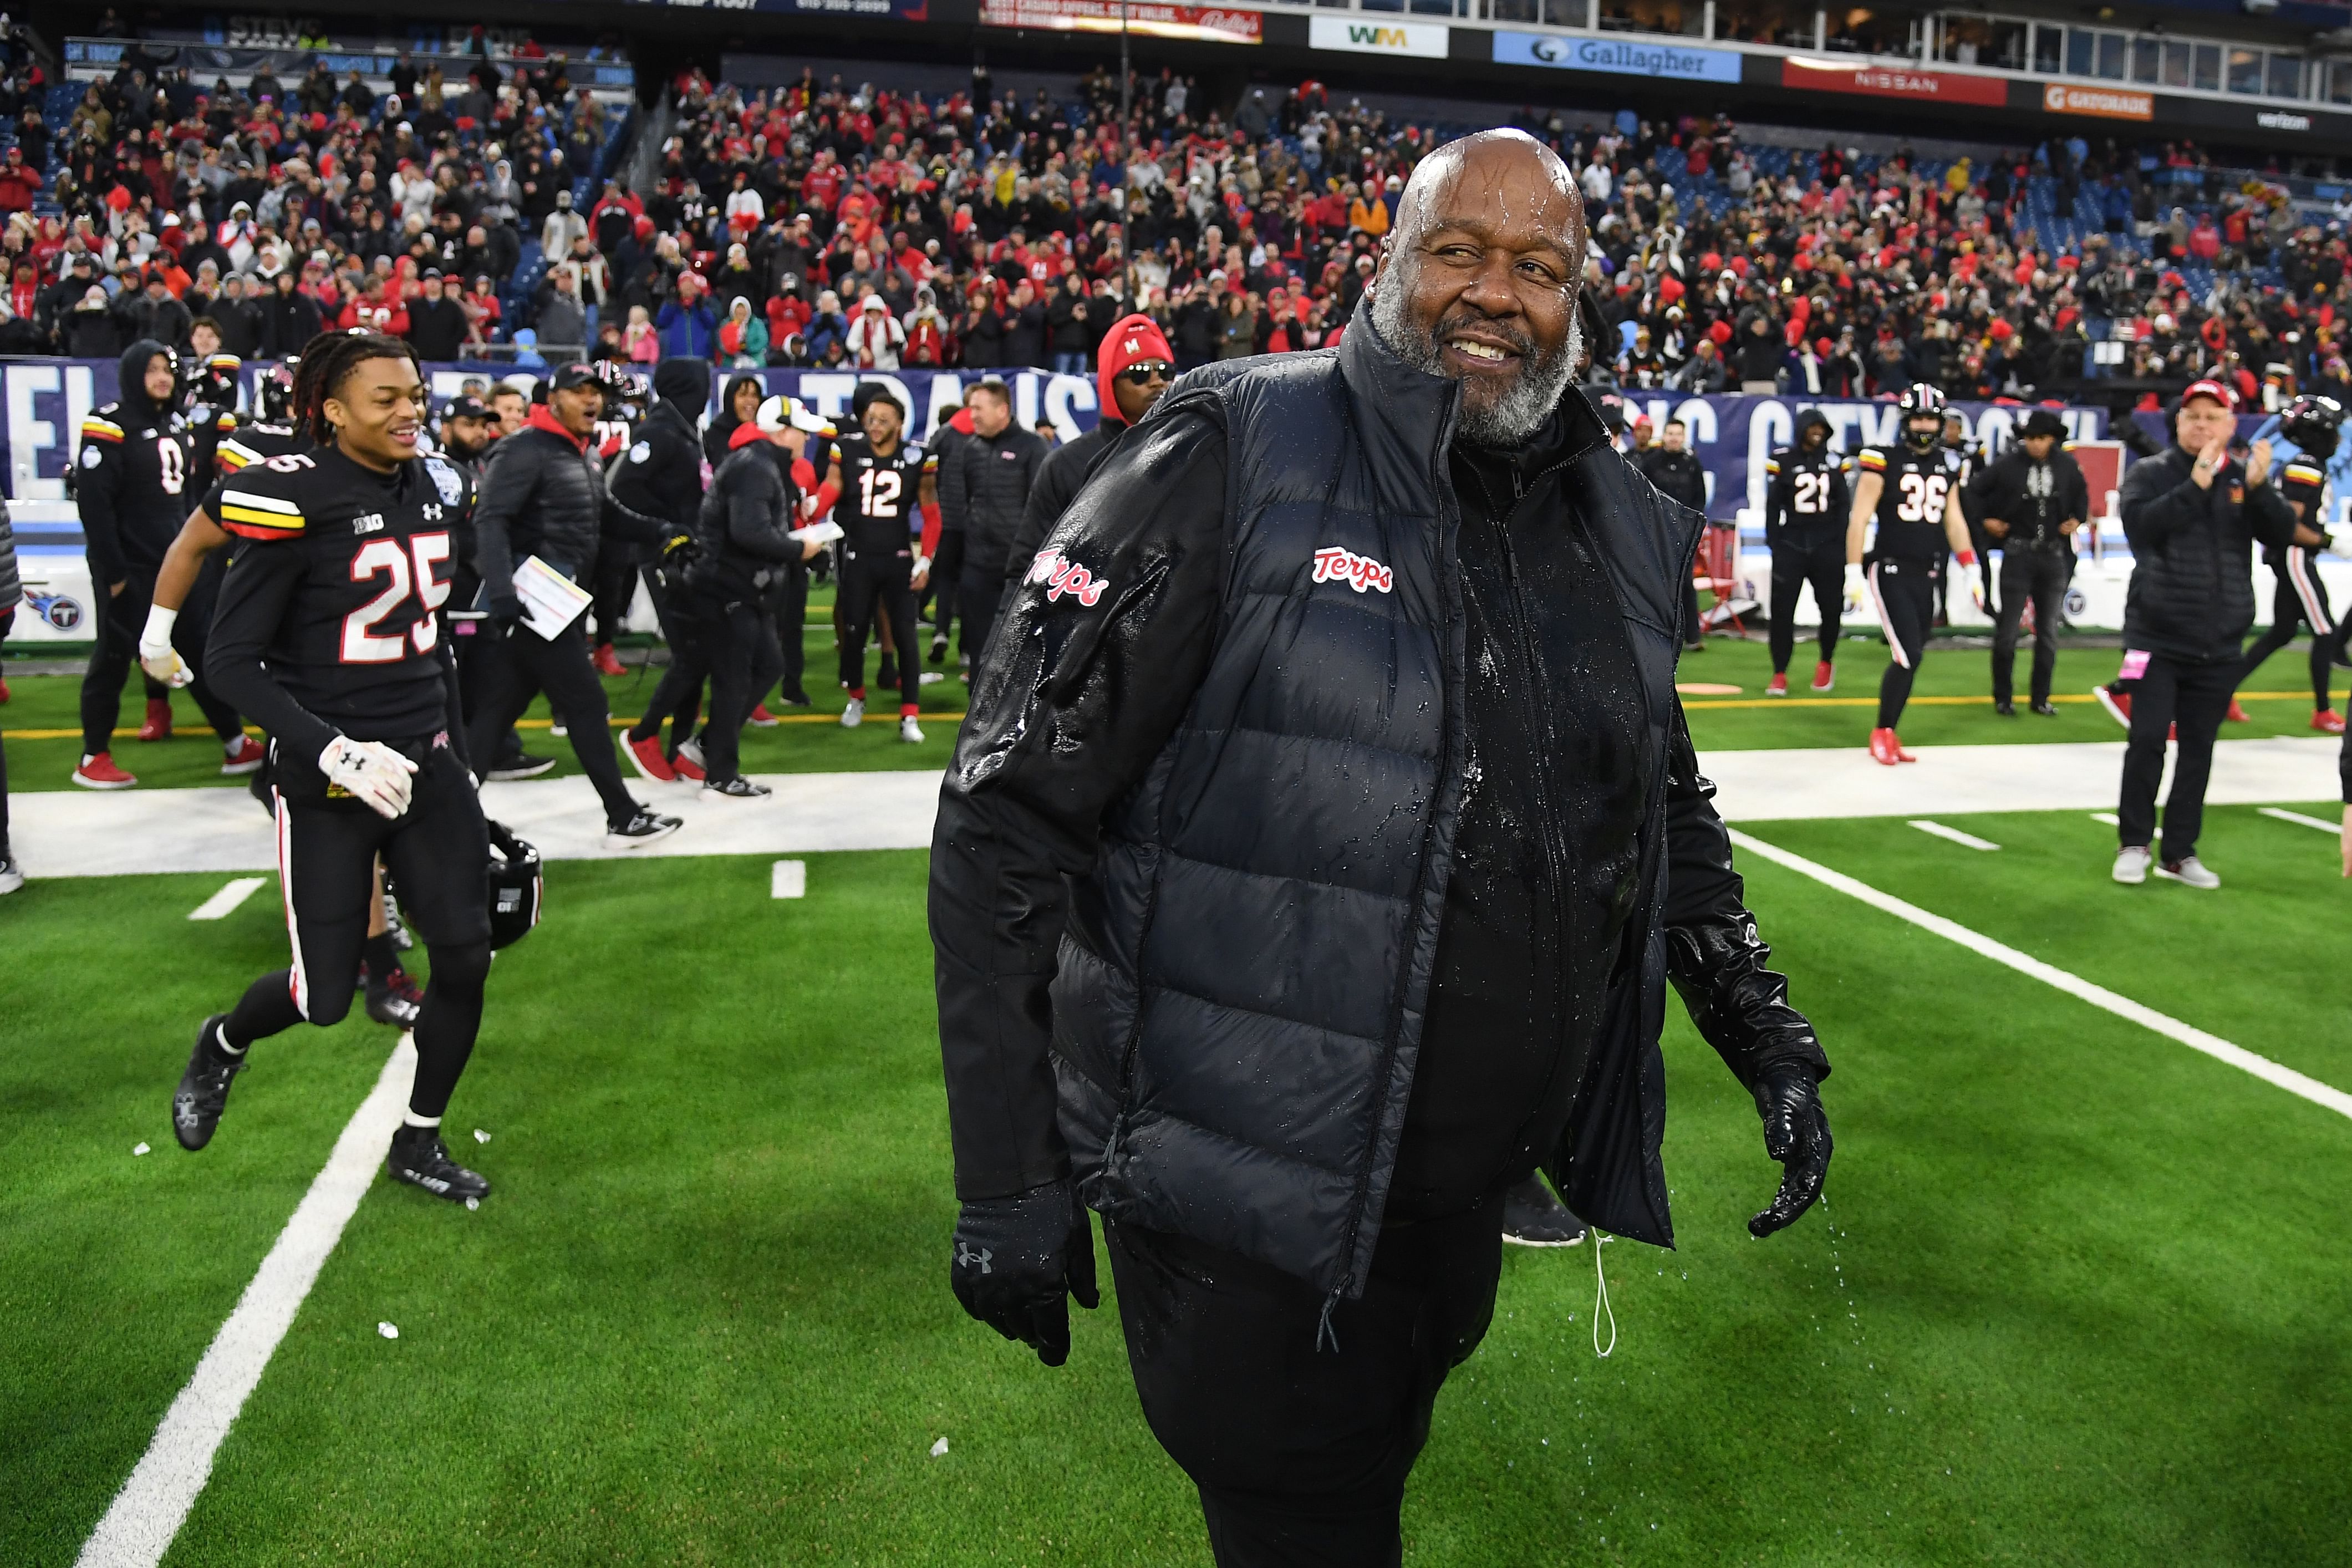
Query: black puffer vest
{"x": 1242, "y": 977}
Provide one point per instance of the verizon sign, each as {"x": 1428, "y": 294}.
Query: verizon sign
{"x": 1421, "y": 40}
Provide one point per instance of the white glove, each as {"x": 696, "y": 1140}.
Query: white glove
{"x": 371, "y": 772}
{"x": 1976, "y": 580}
{"x": 1858, "y": 594}
{"x": 157, "y": 657}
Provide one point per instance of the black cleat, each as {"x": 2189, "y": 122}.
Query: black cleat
{"x": 2047, "y": 709}
{"x": 522, "y": 765}
{"x": 738, "y": 788}
{"x": 939, "y": 649}
{"x": 793, "y": 695}
{"x": 394, "y": 999}
{"x": 2006, "y": 710}
{"x": 203, "y": 1094}
{"x": 418, "y": 1158}
{"x": 639, "y": 830}
{"x": 1533, "y": 1217}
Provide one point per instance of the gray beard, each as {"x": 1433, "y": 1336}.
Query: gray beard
{"x": 1511, "y": 418}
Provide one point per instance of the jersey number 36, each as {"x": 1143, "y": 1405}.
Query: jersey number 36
{"x": 1922, "y": 497}
{"x": 362, "y": 644}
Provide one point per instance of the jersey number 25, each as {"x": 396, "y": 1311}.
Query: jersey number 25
{"x": 381, "y": 557}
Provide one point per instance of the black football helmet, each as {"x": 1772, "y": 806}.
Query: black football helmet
{"x": 273, "y": 396}
{"x": 1919, "y": 404}
{"x": 212, "y": 380}
{"x": 2314, "y": 422}
{"x": 515, "y": 887}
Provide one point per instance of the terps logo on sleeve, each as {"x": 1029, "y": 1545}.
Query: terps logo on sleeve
{"x": 1061, "y": 576}
{"x": 1358, "y": 571}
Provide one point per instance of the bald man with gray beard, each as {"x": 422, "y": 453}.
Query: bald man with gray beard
{"x": 1301, "y": 880}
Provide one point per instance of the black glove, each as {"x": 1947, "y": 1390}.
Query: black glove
{"x": 506, "y": 612}
{"x": 1017, "y": 1259}
{"x": 1795, "y": 1133}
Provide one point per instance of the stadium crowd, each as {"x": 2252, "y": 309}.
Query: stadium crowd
{"x": 824, "y": 223}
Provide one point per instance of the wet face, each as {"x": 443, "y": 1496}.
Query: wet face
{"x": 1479, "y": 283}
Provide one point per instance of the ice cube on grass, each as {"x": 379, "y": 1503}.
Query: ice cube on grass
{"x": 140, "y": 1148}
{"x": 389, "y": 1331}
{"x": 940, "y": 1449}
{"x": 473, "y": 1203}
{"x": 481, "y": 1136}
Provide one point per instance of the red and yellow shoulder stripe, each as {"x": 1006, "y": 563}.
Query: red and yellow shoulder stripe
{"x": 235, "y": 453}
{"x": 96, "y": 428}
{"x": 2304, "y": 474}
{"x": 1872, "y": 459}
{"x": 1772, "y": 465}
{"x": 258, "y": 516}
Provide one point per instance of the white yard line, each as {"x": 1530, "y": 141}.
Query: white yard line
{"x": 154, "y": 1502}
{"x": 2108, "y": 817}
{"x": 788, "y": 879}
{"x": 2300, "y": 820}
{"x": 225, "y": 902}
{"x": 1967, "y": 840}
{"x": 2074, "y": 985}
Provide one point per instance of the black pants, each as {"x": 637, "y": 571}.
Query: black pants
{"x": 2194, "y": 697}
{"x": 744, "y": 660}
{"x": 438, "y": 853}
{"x": 947, "y": 578}
{"x": 1694, "y": 633}
{"x": 520, "y": 663}
{"x": 2038, "y": 576}
{"x": 788, "y": 607}
{"x": 1795, "y": 564}
{"x": 978, "y": 597}
{"x": 120, "y": 619}
{"x": 874, "y": 584}
{"x": 677, "y": 695}
{"x": 1904, "y": 595}
{"x": 7, "y": 621}
{"x": 2301, "y": 598}
{"x": 613, "y": 584}
{"x": 1301, "y": 1455}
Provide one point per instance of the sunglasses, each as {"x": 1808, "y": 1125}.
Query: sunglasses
{"x": 1144, "y": 374}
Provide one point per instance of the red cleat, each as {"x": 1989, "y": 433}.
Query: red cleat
{"x": 2328, "y": 722}
{"x": 688, "y": 762}
{"x": 158, "y": 723}
{"x": 100, "y": 773}
{"x": 1824, "y": 675}
{"x": 606, "y": 661}
{"x": 1886, "y": 750}
{"x": 4, "y": 691}
{"x": 646, "y": 757}
{"x": 1777, "y": 686}
{"x": 2117, "y": 703}
{"x": 242, "y": 756}
{"x": 761, "y": 718}
{"x": 2237, "y": 715}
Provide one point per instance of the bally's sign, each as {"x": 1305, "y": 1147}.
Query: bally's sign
{"x": 1420, "y": 39}
{"x": 1619, "y": 57}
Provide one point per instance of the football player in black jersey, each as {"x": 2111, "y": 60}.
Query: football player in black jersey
{"x": 1912, "y": 489}
{"x": 1806, "y": 503}
{"x": 885, "y": 486}
{"x": 2312, "y": 425}
{"x": 327, "y": 632}
{"x": 137, "y": 461}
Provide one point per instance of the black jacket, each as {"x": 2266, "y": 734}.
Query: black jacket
{"x": 137, "y": 480}
{"x": 661, "y": 473}
{"x": 1066, "y": 472}
{"x": 1678, "y": 475}
{"x": 1195, "y": 849}
{"x": 2191, "y": 596}
{"x": 988, "y": 487}
{"x": 437, "y": 328}
{"x": 745, "y": 528}
{"x": 542, "y": 493}
{"x": 2032, "y": 504}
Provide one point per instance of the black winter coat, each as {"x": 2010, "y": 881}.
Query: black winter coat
{"x": 2007, "y": 489}
{"x": 542, "y": 493}
{"x": 988, "y": 489}
{"x": 2192, "y": 594}
{"x": 1193, "y": 849}
{"x": 137, "y": 480}
{"x": 661, "y": 473}
{"x": 745, "y": 525}
{"x": 1066, "y": 472}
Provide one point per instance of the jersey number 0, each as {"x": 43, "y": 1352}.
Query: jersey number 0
{"x": 381, "y": 557}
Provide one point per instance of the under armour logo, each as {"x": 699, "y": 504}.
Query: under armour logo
{"x": 968, "y": 1255}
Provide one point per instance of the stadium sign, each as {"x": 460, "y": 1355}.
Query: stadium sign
{"x": 2279, "y": 120}
{"x": 2105, "y": 102}
{"x": 1198, "y": 23}
{"x": 1618, "y": 57}
{"x": 1893, "y": 81}
{"x": 1423, "y": 40}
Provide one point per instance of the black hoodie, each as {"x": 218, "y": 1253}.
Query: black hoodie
{"x": 136, "y": 465}
{"x": 661, "y": 473}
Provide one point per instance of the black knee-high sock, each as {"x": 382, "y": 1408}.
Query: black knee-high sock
{"x": 381, "y": 958}
{"x": 266, "y": 1008}
{"x": 446, "y": 1027}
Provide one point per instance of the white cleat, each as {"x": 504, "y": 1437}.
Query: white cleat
{"x": 2188, "y": 873}
{"x": 2131, "y": 864}
{"x": 854, "y": 714}
{"x": 910, "y": 731}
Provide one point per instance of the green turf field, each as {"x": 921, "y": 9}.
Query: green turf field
{"x": 2076, "y": 1296}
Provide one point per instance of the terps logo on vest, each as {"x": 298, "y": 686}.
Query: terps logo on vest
{"x": 1061, "y": 576}
{"x": 1358, "y": 571}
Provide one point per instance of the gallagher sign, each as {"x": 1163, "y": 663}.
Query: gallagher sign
{"x": 1618, "y": 57}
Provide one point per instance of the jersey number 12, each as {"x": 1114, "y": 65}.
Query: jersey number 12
{"x": 878, "y": 490}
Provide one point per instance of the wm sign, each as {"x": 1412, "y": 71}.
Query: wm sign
{"x": 1423, "y": 40}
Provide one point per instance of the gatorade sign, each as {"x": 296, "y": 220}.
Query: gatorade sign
{"x": 1361, "y": 36}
